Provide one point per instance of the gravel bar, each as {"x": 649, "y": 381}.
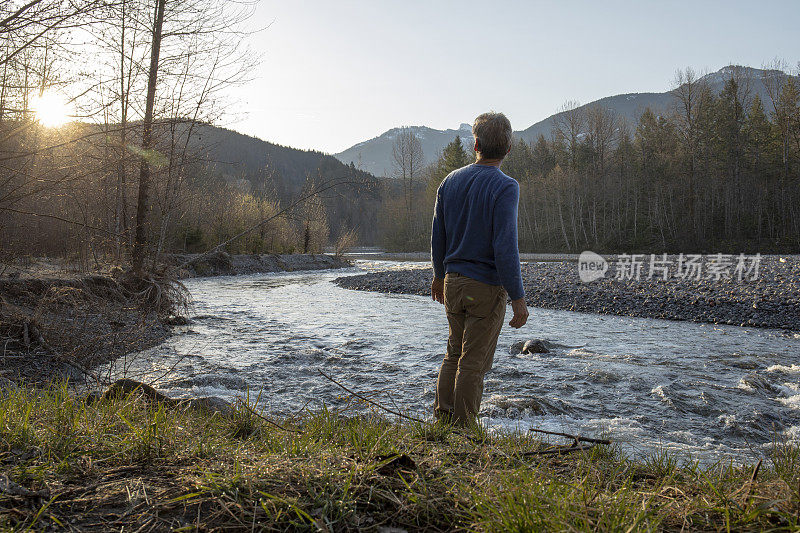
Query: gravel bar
{"x": 770, "y": 301}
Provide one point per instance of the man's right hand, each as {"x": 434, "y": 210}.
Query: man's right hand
{"x": 520, "y": 313}
{"x": 437, "y": 290}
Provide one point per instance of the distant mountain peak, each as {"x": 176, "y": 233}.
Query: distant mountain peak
{"x": 375, "y": 155}
{"x": 739, "y": 71}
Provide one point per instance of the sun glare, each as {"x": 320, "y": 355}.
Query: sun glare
{"x": 51, "y": 110}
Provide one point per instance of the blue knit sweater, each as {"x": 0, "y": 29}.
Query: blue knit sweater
{"x": 475, "y": 227}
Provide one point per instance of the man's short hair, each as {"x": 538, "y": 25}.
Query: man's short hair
{"x": 493, "y": 133}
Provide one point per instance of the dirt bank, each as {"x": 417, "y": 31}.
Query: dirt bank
{"x": 224, "y": 264}
{"x": 57, "y": 328}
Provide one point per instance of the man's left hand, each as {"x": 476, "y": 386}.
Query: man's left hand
{"x": 520, "y": 309}
{"x": 437, "y": 290}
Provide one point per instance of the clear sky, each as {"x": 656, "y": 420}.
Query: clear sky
{"x": 337, "y": 72}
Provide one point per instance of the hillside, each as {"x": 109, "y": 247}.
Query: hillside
{"x": 281, "y": 172}
{"x": 375, "y": 155}
{"x": 236, "y": 156}
{"x": 627, "y": 106}
{"x": 630, "y": 106}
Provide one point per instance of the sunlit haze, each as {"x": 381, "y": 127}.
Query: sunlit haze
{"x": 337, "y": 73}
{"x": 51, "y": 110}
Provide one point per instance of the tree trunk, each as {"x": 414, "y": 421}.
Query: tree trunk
{"x": 142, "y": 206}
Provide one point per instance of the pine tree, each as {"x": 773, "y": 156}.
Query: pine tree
{"x": 453, "y": 157}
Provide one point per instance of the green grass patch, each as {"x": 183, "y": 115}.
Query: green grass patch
{"x": 126, "y": 464}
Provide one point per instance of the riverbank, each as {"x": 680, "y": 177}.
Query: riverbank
{"x": 224, "y": 264}
{"x": 126, "y": 464}
{"x": 58, "y": 322}
{"x": 771, "y": 301}
{"x": 60, "y": 328}
{"x": 380, "y": 255}
{"x": 218, "y": 263}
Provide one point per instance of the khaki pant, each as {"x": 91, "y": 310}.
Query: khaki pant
{"x": 475, "y": 312}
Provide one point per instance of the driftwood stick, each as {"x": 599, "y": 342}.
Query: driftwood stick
{"x": 371, "y": 402}
{"x": 559, "y": 451}
{"x": 549, "y": 451}
{"x": 752, "y": 480}
{"x": 576, "y": 438}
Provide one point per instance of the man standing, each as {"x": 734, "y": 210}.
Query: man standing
{"x": 476, "y": 265}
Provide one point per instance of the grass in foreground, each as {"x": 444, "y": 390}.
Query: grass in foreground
{"x": 127, "y": 465}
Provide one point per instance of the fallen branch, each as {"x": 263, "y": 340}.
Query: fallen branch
{"x": 576, "y": 438}
{"x": 548, "y": 451}
{"x": 558, "y": 451}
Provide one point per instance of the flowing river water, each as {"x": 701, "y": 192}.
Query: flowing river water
{"x": 712, "y": 391}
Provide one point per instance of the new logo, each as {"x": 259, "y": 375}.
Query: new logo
{"x": 591, "y": 266}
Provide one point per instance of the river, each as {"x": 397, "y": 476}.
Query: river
{"x": 712, "y": 391}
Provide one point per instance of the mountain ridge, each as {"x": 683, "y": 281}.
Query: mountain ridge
{"x": 375, "y": 155}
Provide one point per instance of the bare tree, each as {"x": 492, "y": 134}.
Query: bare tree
{"x": 569, "y": 124}
{"x": 199, "y": 53}
{"x": 780, "y": 89}
{"x": 408, "y": 162}
{"x": 143, "y": 204}
{"x": 689, "y": 91}
{"x": 602, "y": 132}
{"x": 33, "y": 42}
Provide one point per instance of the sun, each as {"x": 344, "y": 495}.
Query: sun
{"x": 51, "y": 110}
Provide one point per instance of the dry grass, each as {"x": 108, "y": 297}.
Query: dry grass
{"x": 127, "y": 464}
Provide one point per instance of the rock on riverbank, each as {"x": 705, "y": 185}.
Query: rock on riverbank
{"x": 771, "y": 301}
